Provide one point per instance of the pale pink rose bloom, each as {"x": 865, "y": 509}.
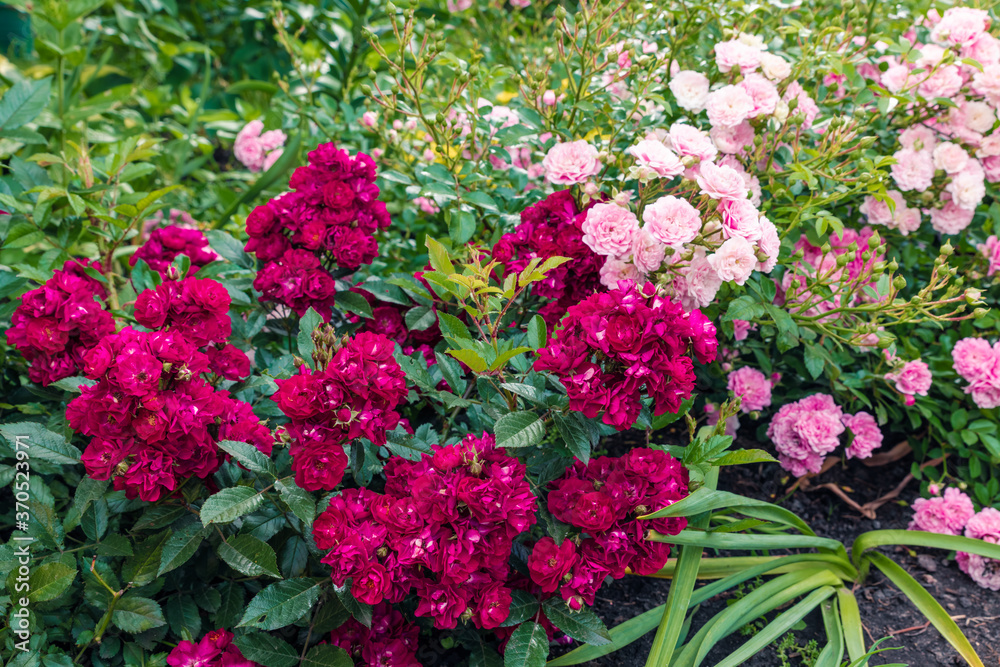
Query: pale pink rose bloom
{"x": 273, "y": 156}
{"x": 990, "y": 146}
{"x": 690, "y": 141}
{"x": 987, "y": 82}
{"x": 769, "y": 244}
{"x": 973, "y": 358}
{"x": 609, "y": 229}
{"x": 896, "y": 78}
{"x": 672, "y": 221}
{"x": 571, "y": 162}
{"x": 751, "y": 181}
{"x": 877, "y": 211}
{"x": 950, "y": 219}
{"x": 657, "y": 157}
{"x": 914, "y": 378}
{"x": 991, "y": 251}
{"x": 985, "y": 50}
{"x": 712, "y": 418}
{"x": 917, "y": 138}
{"x": 960, "y": 26}
{"x": 369, "y": 119}
{"x": 906, "y": 220}
{"x": 690, "y": 89}
{"x": 950, "y": 157}
{"x": 991, "y": 168}
{"x": 647, "y": 252}
{"x": 867, "y": 435}
{"x": 458, "y": 5}
{"x": 721, "y": 182}
{"x": 968, "y": 187}
{"x": 985, "y": 391}
{"x": 984, "y": 525}
{"x": 805, "y": 431}
{"x": 736, "y": 53}
{"x": 522, "y": 4}
{"x": 247, "y": 148}
{"x": 979, "y": 116}
{"x": 945, "y": 82}
{"x": 763, "y": 93}
{"x": 700, "y": 282}
{"x": 810, "y": 463}
{"x": 774, "y": 67}
{"x": 615, "y": 270}
{"x": 729, "y": 106}
{"x": 272, "y": 140}
{"x": 740, "y": 218}
{"x": 752, "y": 386}
{"x": 914, "y": 170}
{"x": 426, "y": 205}
{"x": 946, "y": 515}
{"x": 733, "y": 140}
{"x": 734, "y": 261}
{"x": 742, "y": 328}
{"x": 549, "y": 98}
{"x": 807, "y": 106}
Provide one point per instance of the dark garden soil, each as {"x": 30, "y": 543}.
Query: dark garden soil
{"x": 884, "y": 610}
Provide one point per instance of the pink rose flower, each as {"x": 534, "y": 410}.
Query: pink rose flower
{"x": 672, "y": 221}
{"x": 914, "y": 170}
{"x": 752, "y": 386}
{"x": 991, "y": 251}
{"x": 806, "y": 105}
{"x": 918, "y": 138}
{"x": 615, "y": 270}
{"x": 647, "y": 251}
{"x": 867, "y": 435}
{"x": 735, "y": 53}
{"x": 690, "y": 141}
{"x": 950, "y": 157}
{"x": 740, "y": 218}
{"x": 769, "y": 244}
{"x": 763, "y": 93}
{"x": 774, "y": 67}
{"x": 984, "y": 525}
{"x": 945, "y": 82}
{"x": 968, "y": 187}
{"x": 896, "y": 78}
{"x": 700, "y": 283}
{"x": 571, "y": 162}
{"x": 960, "y": 26}
{"x": 950, "y": 218}
{"x": 734, "y": 261}
{"x": 733, "y": 140}
{"x": 690, "y": 89}
{"x": 610, "y": 229}
{"x": 742, "y": 328}
{"x": 945, "y": 515}
{"x": 914, "y": 378}
{"x": 721, "y": 182}
{"x": 257, "y": 151}
{"x": 729, "y": 106}
{"x": 653, "y": 155}
{"x": 973, "y": 358}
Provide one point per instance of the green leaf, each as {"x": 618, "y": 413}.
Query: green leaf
{"x": 850, "y": 616}
{"x": 621, "y": 636}
{"x": 361, "y": 612}
{"x": 47, "y": 582}
{"x": 743, "y": 456}
{"x": 137, "y": 614}
{"x": 142, "y": 568}
{"x": 928, "y": 606}
{"x": 504, "y": 357}
{"x": 452, "y": 326}
{"x": 575, "y": 434}
{"x": 230, "y": 604}
{"x": 281, "y": 604}
{"x": 420, "y": 318}
{"x": 326, "y": 655}
{"x": 667, "y": 418}
{"x": 298, "y": 500}
{"x": 114, "y": 546}
{"x": 527, "y": 647}
{"x": 519, "y": 429}
{"x": 307, "y": 325}
{"x": 470, "y": 358}
{"x": 745, "y": 542}
{"x": 583, "y": 626}
{"x": 41, "y": 443}
{"x": 439, "y": 257}
{"x": 537, "y": 332}
{"x": 249, "y": 556}
{"x": 228, "y": 248}
{"x": 230, "y": 504}
{"x": 267, "y": 650}
{"x": 73, "y": 384}
{"x": 814, "y": 361}
{"x": 183, "y": 617}
{"x": 87, "y": 491}
{"x": 353, "y": 303}
{"x": 919, "y": 538}
{"x": 251, "y": 457}
{"x": 707, "y": 500}
{"x": 461, "y": 226}
{"x": 181, "y": 546}
{"x": 523, "y": 606}
{"x": 743, "y": 308}
{"x": 23, "y": 102}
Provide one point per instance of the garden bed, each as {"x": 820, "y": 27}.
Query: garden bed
{"x": 884, "y": 610}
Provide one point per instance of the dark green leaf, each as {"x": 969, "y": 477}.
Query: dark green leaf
{"x": 281, "y": 604}
{"x": 249, "y": 556}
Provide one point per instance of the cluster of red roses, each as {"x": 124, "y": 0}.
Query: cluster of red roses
{"x": 57, "y": 323}
{"x": 152, "y": 417}
{"x": 603, "y": 499}
{"x": 355, "y": 396}
{"x": 166, "y": 243}
{"x": 553, "y": 228}
{"x": 444, "y": 527}
{"x": 215, "y": 649}
{"x": 616, "y": 343}
{"x": 328, "y": 219}
{"x": 390, "y": 641}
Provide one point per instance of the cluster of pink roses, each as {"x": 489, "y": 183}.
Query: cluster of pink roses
{"x": 945, "y": 160}
{"x": 152, "y": 418}
{"x": 328, "y": 220}
{"x": 910, "y": 378}
{"x": 753, "y": 388}
{"x": 166, "y": 243}
{"x": 616, "y": 344}
{"x": 603, "y": 500}
{"x": 805, "y": 431}
{"x": 951, "y": 513}
{"x": 256, "y": 149}
{"x": 553, "y": 228}
{"x": 391, "y": 641}
{"x": 978, "y": 363}
{"x": 215, "y": 649}
{"x": 355, "y": 396}
{"x": 444, "y": 528}
{"x": 55, "y": 324}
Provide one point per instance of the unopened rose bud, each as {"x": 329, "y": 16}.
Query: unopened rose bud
{"x": 972, "y": 296}
{"x": 842, "y": 259}
{"x": 893, "y": 265}
{"x": 298, "y": 361}
{"x": 873, "y": 241}
{"x": 825, "y": 248}
{"x": 867, "y": 142}
{"x": 947, "y": 250}
{"x": 980, "y": 313}
{"x": 899, "y": 282}
{"x": 549, "y": 98}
